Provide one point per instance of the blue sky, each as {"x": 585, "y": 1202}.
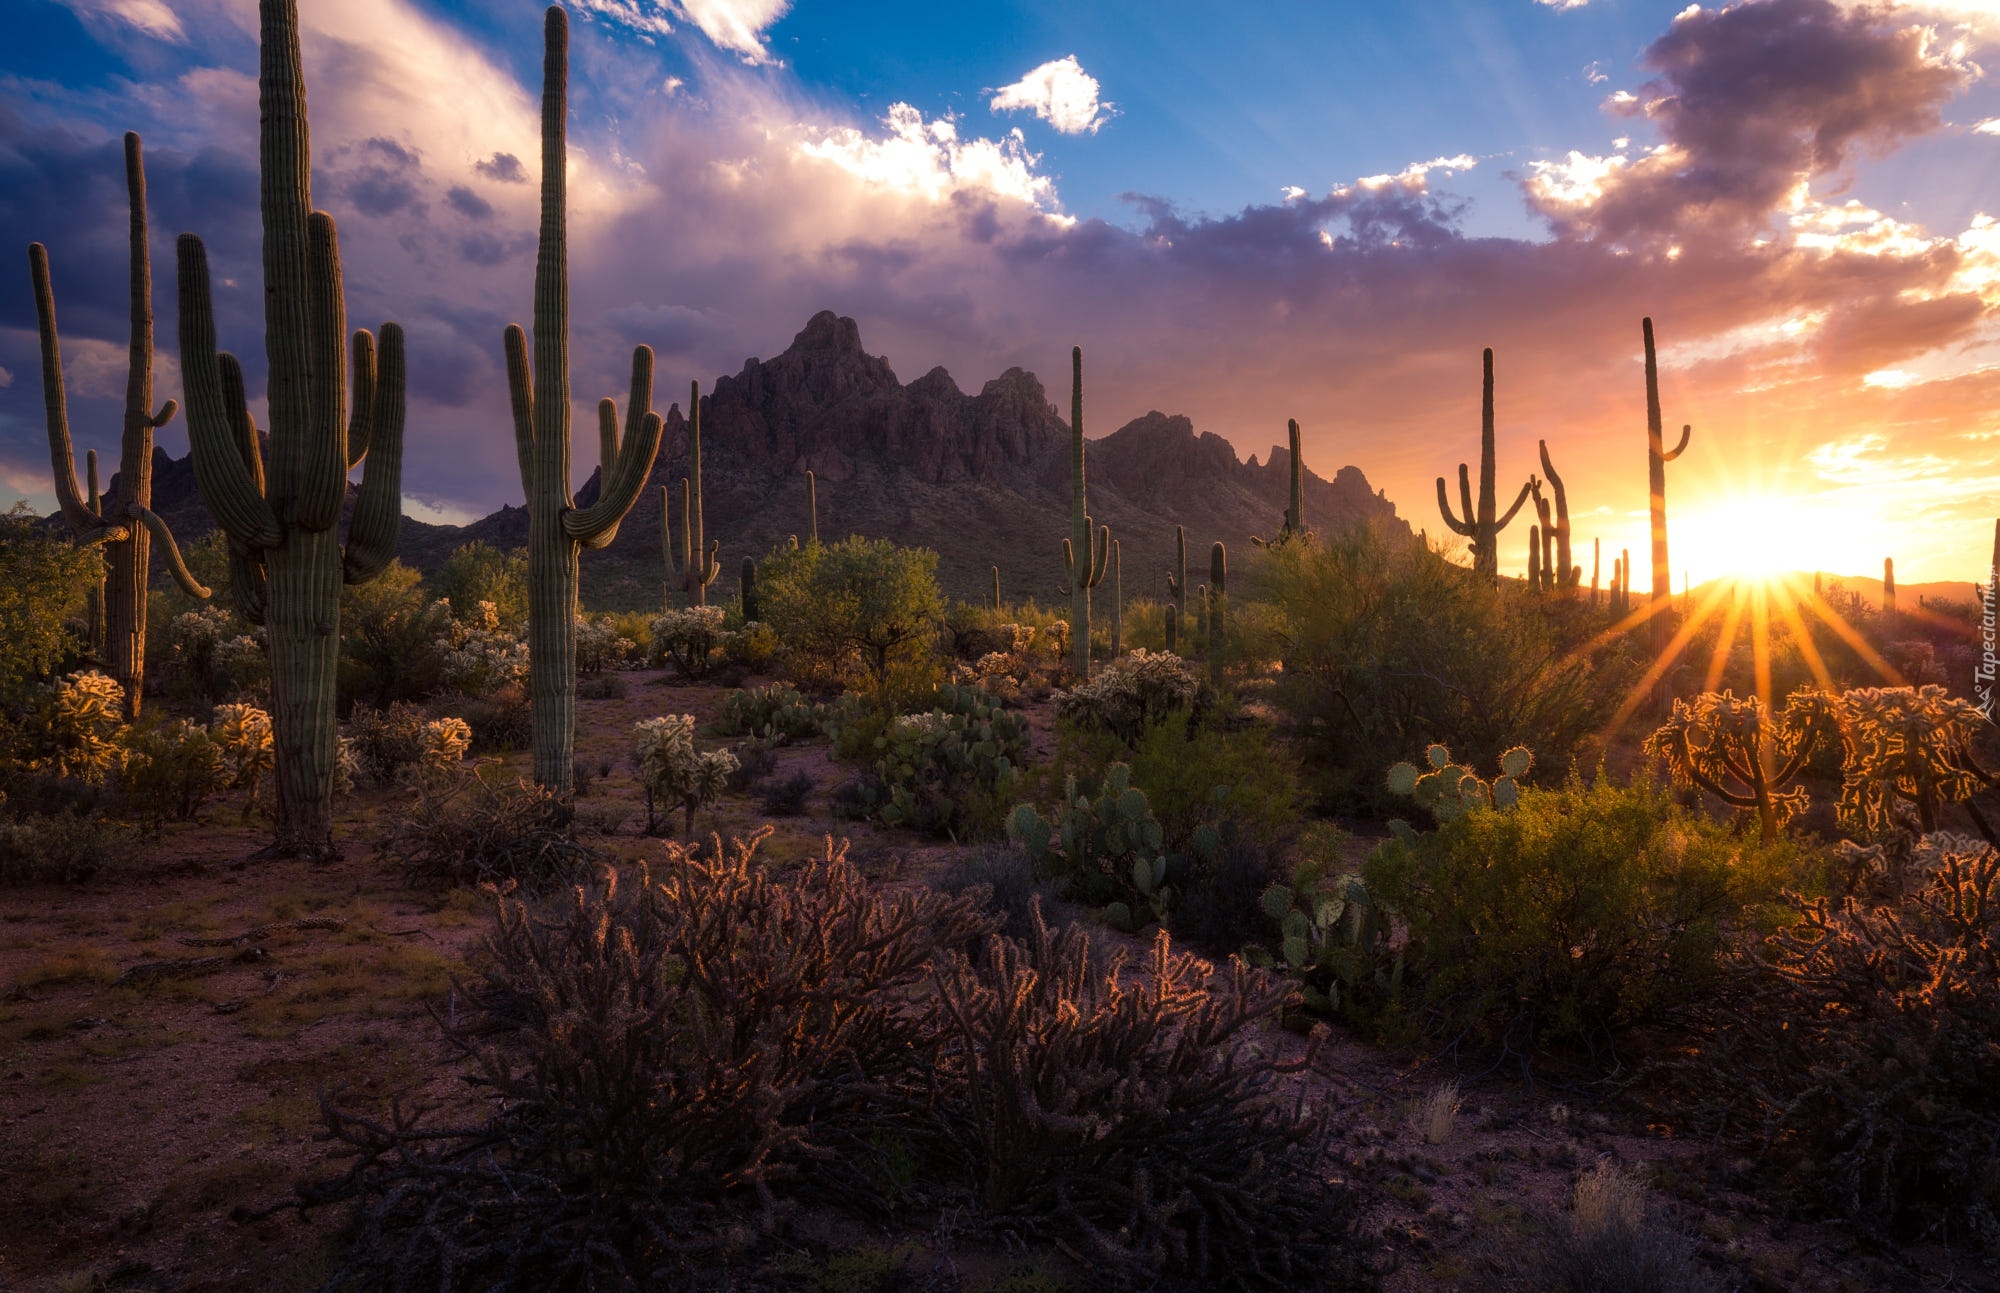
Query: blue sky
{"x": 1321, "y": 211}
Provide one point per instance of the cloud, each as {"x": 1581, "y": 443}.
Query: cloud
{"x": 1563, "y": 4}
{"x": 1752, "y": 100}
{"x": 6, "y": 379}
{"x": 1990, "y": 126}
{"x": 504, "y": 167}
{"x": 929, "y": 159}
{"x": 1061, "y": 93}
{"x": 153, "y": 18}
{"x": 738, "y": 26}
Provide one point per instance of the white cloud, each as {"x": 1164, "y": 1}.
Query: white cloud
{"x": 153, "y": 17}
{"x": 1990, "y": 126}
{"x": 1061, "y": 93}
{"x": 735, "y": 25}
{"x": 930, "y": 160}
{"x": 1594, "y": 74}
{"x": 1414, "y": 175}
{"x": 1563, "y": 4}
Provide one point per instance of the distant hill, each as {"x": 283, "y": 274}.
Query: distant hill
{"x": 981, "y": 479}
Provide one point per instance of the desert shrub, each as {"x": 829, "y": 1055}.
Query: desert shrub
{"x": 478, "y": 573}
{"x": 1132, "y": 692}
{"x": 391, "y": 639}
{"x": 600, "y": 686}
{"x": 1578, "y": 913}
{"x": 211, "y": 656}
{"x": 755, "y": 760}
{"x": 63, "y": 848}
{"x": 1136, "y": 1126}
{"x": 1195, "y": 775}
{"x": 600, "y": 645}
{"x": 1386, "y": 645}
{"x": 1006, "y": 875}
{"x": 778, "y": 712}
{"x": 389, "y": 743}
{"x": 662, "y": 1055}
{"x": 688, "y": 639}
{"x": 1865, "y": 1050}
{"x": 752, "y": 647}
{"x": 500, "y": 720}
{"x": 857, "y": 609}
{"x": 481, "y": 656}
{"x": 471, "y": 827}
{"x": 1611, "y": 1242}
{"x": 43, "y": 580}
{"x": 71, "y": 729}
{"x": 170, "y": 769}
{"x": 1222, "y": 911}
{"x": 787, "y": 797}
{"x": 675, "y": 773}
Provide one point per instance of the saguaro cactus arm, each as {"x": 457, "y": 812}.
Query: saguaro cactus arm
{"x": 168, "y": 550}
{"x": 62, "y": 456}
{"x": 378, "y": 510}
{"x": 631, "y": 462}
{"x": 1668, "y": 455}
{"x": 233, "y": 497}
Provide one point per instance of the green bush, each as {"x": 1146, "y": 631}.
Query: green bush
{"x": 777, "y": 712}
{"x": 1194, "y": 775}
{"x": 392, "y": 637}
{"x": 42, "y": 584}
{"x": 861, "y": 609}
{"x": 1579, "y": 913}
{"x": 171, "y": 769}
{"x": 1385, "y": 645}
{"x": 63, "y": 848}
{"x": 478, "y": 572}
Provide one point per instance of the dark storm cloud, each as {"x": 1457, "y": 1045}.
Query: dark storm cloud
{"x": 504, "y": 167}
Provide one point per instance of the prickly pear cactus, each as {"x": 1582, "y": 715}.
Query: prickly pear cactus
{"x": 1448, "y": 790}
{"x": 1334, "y": 935}
{"x": 1108, "y": 851}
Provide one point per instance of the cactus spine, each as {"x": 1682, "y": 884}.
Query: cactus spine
{"x": 1084, "y": 555}
{"x": 118, "y": 609}
{"x": 1481, "y": 527}
{"x": 1657, "y": 458}
{"x": 697, "y": 566}
{"x": 1218, "y": 608}
{"x": 751, "y": 608}
{"x": 557, "y": 528}
{"x": 283, "y": 528}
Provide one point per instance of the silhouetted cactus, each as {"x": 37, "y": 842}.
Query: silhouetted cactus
{"x": 557, "y": 528}
{"x": 1657, "y": 458}
{"x": 697, "y": 567}
{"x": 1083, "y": 557}
{"x": 1177, "y": 584}
{"x": 118, "y": 601}
{"x": 283, "y": 529}
{"x": 1481, "y": 527}
{"x": 1888, "y": 588}
{"x": 1173, "y": 629}
{"x": 1566, "y": 575}
{"x": 751, "y": 610}
{"x": 1535, "y": 558}
{"x": 812, "y": 507}
{"x": 996, "y": 588}
{"x": 1218, "y": 609}
{"x": 1117, "y": 602}
{"x": 1596, "y": 560}
{"x": 1447, "y": 789}
{"x": 1294, "y": 526}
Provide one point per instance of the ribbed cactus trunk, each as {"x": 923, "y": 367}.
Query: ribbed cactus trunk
{"x": 94, "y": 599}
{"x": 1534, "y": 558}
{"x": 1295, "y": 514}
{"x": 1657, "y": 458}
{"x": 1173, "y": 629}
{"x": 557, "y": 530}
{"x": 124, "y": 523}
{"x": 1218, "y": 610}
{"x": 1596, "y": 562}
{"x": 1481, "y": 526}
{"x": 1117, "y": 602}
{"x": 697, "y": 566}
{"x": 283, "y": 527}
{"x": 1567, "y": 575}
{"x": 1625, "y": 582}
{"x": 812, "y": 507}
{"x": 996, "y": 588}
{"x": 1177, "y": 584}
{"x": 1888, "y": 588}
{"x": 1083, "y": 558}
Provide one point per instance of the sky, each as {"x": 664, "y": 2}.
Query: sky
{"x": 1320, "y": 211}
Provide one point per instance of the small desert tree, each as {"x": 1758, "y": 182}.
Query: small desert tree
{"x": 479, "y": 572}
{"x": 865, "y": 597}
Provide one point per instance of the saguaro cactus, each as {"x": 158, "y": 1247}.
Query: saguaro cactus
{"x": 1117, "y": 602}
{"x": 557, "y": 529}
{"x": 996, "y": 588}
{"x": 1888, "y": 588}
{"x": 1625, "y": 582}
{"x": 1596, "y": 563}
{"x": 697, "y": 567}
{"x": 1294, "y": 513}
{"x": 1567, "y": 576}
{"x": 1218, "y": 608}
{"x": 1173, "y": 629}
{"x": 283, "y": 528}
{"x": 1481, "y": 527}
{"x": 1534, "y": 558}
{"x": 1083, "y": 555}
{"x": 812, "y": 507}
{"x": 125, "y": 523}
{"x": 1177, "y": 584}
{"x": 1657, "y": 458}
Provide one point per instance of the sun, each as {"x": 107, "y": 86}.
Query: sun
{"x": 1757, "y": 537}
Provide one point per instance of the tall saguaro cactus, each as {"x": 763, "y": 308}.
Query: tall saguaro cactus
{"x": 1295, "y": 512}
{"x": 1084, "y": 555}
{"x": 557, "y": 529}
{"x": 1177, "y": 584}
{"x": 283, "y": 527}
{"x": 1218, "y": 609}
{"x": 1888, "y": 588}
{"x": 1657, "y": 458}
{"x": 812, "y": 507}
{"x": 1481, "y": 526}
{"x": 1596, "y": 564}
{"x": 1117, "y": 602}
{"x": 1567, "y": 576}
{"x": 697, "y": 567}
{"x": 124, "y": 524}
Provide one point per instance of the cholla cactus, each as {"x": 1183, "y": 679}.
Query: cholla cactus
{"x": 1909, "y": 751}
{"x": 1450, "y": 790}
{"x": 1132, "y": 691}
{"x": 673, "y": 771}
{"x": 347, "y": 767}
{"x": 1742, "y": 753}
{"x": 486, "y": 659}
{"x": 243, "y": 733}
{"x": 598, "y": 644}
{"x": 687, "y": 639}
{"x": 444, "y": 743}
{"x": 78, "y": 728}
